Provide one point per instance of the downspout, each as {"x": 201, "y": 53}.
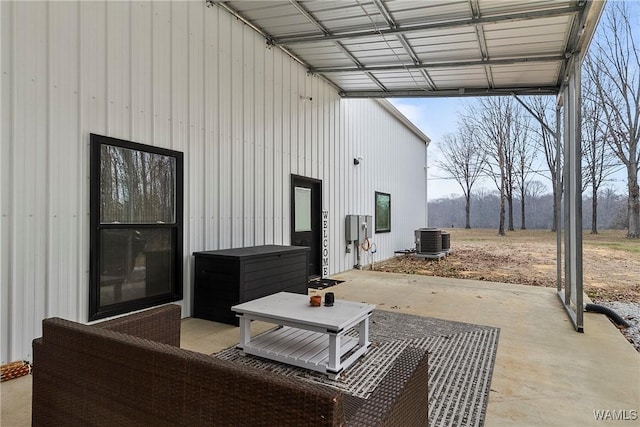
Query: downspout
{"x": 426, "y": 185}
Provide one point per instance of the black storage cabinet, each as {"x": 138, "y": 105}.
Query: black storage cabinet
{"x": 228, "y": 277}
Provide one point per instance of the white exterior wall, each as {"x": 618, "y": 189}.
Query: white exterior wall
{"x": 182, "y": 76}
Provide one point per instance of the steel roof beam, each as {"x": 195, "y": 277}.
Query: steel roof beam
{"x": 404, "y": 42}
{"x": 303, "y": 10}
{"x": 348, "y": 35}
{"x": 482, "y": 41}
{"x": 268, "y": 37}
{"x": 439, "y": 65}
{"x": 376, "y": 81}
{"x": 577, "y": 36}
{"x": 385, "y": 13}
{"x": 447, "y": 93}
{"x": 225, "y": 6}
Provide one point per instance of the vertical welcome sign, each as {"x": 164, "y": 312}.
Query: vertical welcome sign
{"x": 325, "y": 243}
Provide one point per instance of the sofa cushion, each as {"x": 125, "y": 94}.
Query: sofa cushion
{"x": 87, "y": 375}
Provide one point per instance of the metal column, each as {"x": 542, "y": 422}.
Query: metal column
{"x": 558, "y": 196}
{"x": 572, "y": 297}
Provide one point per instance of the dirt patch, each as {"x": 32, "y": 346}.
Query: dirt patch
{"x": 611, "y": 263}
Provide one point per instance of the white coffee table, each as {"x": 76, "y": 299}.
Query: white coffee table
{"x": 309, "y": 337}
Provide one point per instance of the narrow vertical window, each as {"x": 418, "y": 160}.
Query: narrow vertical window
{"x": 383, "y": 212}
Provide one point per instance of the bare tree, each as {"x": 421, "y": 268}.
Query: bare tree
{"x": 491, "y": 119}
{"x": 613, "y": 65}
{"x": 510, "y": 116}
{"x": 543, "y": 109}
{"x": 599, "y": 162}
{"x": 611, "y": 202}
{"x": 535, "y": 189}
{"x": 515, "y": 134}
{"x": 525, "y": 154}
{"x": 463, "y": 160}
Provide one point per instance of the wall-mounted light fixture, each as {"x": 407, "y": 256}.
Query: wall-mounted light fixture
{"x": 357, "y": 160}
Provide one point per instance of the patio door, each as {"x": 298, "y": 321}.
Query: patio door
{"x": 306, "y": 219}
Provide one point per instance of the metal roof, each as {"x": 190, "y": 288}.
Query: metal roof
{"x": 401, "y": 48}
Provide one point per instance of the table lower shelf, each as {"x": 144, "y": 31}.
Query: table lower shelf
{"x": 305, "y": 349}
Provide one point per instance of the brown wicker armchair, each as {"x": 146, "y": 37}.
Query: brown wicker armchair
{"x": 131, "y": 372}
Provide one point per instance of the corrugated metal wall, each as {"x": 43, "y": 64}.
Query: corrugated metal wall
{"x": 191, "y": 78}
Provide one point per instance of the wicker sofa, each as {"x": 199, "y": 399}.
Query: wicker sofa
{"x": 131, "y": 371}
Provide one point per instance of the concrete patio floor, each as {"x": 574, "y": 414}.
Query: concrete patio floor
{"x": 546, "y": 374}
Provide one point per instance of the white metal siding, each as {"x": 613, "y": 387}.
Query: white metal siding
{"x": 191, "y": 78}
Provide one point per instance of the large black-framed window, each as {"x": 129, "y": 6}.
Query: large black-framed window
{"x": 136, "y": 219}
{"x": 383, "y": 212}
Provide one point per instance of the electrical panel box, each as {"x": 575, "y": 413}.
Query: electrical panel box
{"x": 351, "y": 228}
{"x": 366, "y": 227}
{"x": 358, "y": 227}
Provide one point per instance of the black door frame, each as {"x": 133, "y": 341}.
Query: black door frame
{"x": 315, "y": 257}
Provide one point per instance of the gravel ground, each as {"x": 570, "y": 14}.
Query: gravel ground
{"x": 629, "y": 311}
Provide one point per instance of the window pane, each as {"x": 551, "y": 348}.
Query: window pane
{"x": 136, "y": 186}
{"x": 383, "y": 212}
{"x": 135, "y": 263}
{"x": 302, "y": 209}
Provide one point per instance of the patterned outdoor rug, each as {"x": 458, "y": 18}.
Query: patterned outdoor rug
{"x": 461, "y": 359}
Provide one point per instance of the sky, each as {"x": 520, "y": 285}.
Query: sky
{"x": 436, "y": 117}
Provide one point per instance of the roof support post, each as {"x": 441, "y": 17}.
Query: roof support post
{"x": 572, "y": 298}
{"x": 558, "y": 196}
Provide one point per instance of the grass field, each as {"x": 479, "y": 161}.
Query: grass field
{"x": 611, "y": 262}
